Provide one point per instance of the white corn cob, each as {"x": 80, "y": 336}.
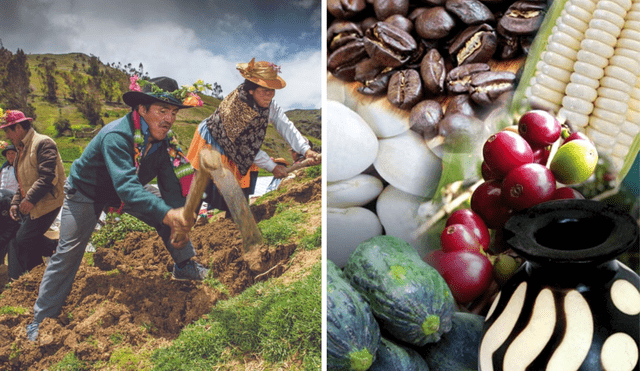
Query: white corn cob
{"x": 552, "y": 75}
{"x": 589, "y": 73}
{"x": 592, "y": 59}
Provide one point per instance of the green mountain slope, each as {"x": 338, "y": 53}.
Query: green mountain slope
{"x": 73, "y": 95}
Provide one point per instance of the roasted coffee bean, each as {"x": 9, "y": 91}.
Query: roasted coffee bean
{"x": 389, "y": 45}
{"x": 508, "y": 45}
{"x": 342, "y": 61}
{"x": 460, "y": 132}
{"x": 425, "y": 117}
{"x": 367, "y": 23}
{"x": 433, "y": 72}
{"x": 475, "y": 44}
{"x": 341, "y": 33}
{"x": 401, "y": 22}
{"x": 379, "y": 84}
{"x": 386, "y": 8}
{"x": 459, "y": 78}
{"x": 470, "y": 11}
{"x": 524, "y": 17}
{"x": 525, "y": 43}
{"x": 405, "y": 89}
{"x": 486, "y": 87}
{"x": 434, "y": 23}
{"x": 415, "y": 13}
{"x": 367, "y": 69}
{"x": 434, "y": 2}
{"x": 345, "y": 9}
{"x": 460, "y": 103}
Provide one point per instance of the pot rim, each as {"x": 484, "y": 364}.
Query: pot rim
{"x": 521, "y": 228}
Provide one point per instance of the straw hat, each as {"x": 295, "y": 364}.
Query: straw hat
{"x": 12, "y": 117}
{"x": 262, "y": 73}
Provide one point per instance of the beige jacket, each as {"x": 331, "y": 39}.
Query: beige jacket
{"x": 40, "y": 174}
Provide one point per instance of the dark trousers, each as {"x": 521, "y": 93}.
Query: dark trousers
{"x": 215, "y": 200}
{"x": 8, "y": 230}
{"x": 29, "y": 245}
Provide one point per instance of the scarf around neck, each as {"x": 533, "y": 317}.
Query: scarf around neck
{"x": 239, "y": 127}
{"x": 181, "y": 166}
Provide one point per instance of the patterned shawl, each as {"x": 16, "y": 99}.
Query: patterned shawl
{"x": 239, "y": 127}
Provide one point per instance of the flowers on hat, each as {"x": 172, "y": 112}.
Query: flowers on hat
{"x": 186, "y": 94}
{"x": 275, "y": 67}
{"x": 134, "y": 86}
{"x": 3, "y": 144}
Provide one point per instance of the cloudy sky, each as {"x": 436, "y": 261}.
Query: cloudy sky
{"x": 184, "y": 39}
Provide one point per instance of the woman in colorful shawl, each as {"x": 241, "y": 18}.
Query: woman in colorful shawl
{"x": 237, "y": 128}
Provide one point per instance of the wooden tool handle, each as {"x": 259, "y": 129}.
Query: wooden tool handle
{"x": 299, "y": 165}
{"x": 194, "y": 197}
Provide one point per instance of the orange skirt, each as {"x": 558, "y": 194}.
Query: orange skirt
{"x": 198, "y": 142}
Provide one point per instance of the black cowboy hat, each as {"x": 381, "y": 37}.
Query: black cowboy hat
{"x": 147, "y": 96}
{"x": 10, "y": 147}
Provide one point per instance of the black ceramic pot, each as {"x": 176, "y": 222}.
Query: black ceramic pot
{"x": 571, "y": 306}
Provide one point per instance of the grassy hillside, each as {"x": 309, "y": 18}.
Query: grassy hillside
{"x": 72, "y": 142}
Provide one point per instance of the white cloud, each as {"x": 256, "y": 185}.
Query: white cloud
{"x": 166, "y": 48}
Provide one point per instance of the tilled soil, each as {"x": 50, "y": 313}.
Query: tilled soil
{"x": 128, "y": 296}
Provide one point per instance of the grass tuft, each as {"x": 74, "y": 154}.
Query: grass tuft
{"x": 283, "y": 321}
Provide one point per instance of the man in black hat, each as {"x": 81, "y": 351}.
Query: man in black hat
{"x": 8, "y": 179}
{"x": 112, "y": 171}
{"x": 8, "y": 187}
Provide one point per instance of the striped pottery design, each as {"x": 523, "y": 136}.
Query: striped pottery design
{"x": 567, "y": 313}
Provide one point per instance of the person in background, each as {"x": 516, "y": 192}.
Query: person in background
{"x": 8, "y": 178}
{"x": 8, "y": 187}
{"x": 112, "y": 171}
{"x": 238, "y": 127}
{"x": 37, "y": 202}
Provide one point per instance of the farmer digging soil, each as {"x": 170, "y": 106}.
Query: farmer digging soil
{"x": 112, "y": 172}
{"x": 238, "y": 127}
